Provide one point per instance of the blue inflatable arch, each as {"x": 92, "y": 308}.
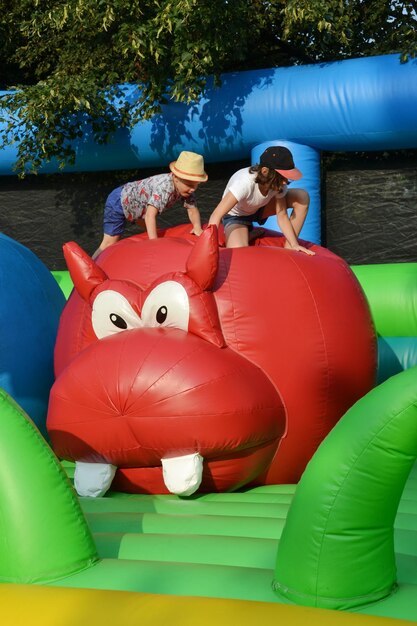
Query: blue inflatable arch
{"x": 358, "y": 104}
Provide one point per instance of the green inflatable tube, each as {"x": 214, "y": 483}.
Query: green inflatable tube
{"x": 393, "y": 309}
{"x": 337, "y": 547}
{"x": 43, "y": 533}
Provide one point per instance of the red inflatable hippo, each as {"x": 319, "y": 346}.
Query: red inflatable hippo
{"x": 181, "y": 366}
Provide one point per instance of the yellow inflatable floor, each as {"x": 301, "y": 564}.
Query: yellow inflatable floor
{"x": 24, "y": 605}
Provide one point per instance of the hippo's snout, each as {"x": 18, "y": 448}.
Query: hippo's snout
{"x": 147, "y": 394}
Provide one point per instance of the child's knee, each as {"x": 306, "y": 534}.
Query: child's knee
{"x": 304, "y": 198}
{"x": 298, "y": 198}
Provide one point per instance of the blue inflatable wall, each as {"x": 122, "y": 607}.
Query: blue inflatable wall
{"x": 30, "y": 307}
{"x": 359, "y": 104}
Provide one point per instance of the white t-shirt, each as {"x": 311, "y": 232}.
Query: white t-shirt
{"x": 249, "y": 198}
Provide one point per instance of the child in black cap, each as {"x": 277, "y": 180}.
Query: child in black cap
{"x": 255, "y": 193}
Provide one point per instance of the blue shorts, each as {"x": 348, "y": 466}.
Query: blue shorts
{"x": 245, "y": 220}
{"x": 114, "y": 218}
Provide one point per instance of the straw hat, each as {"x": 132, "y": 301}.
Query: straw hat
{"x": 189, "y": 166}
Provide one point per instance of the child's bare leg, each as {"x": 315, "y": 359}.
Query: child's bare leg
{"x": 299, "y": 200}
{"x": 236, "y": 236}
{"x": 256, "y": 233}
{"x": 108, "y": 240}
{"x": 269, "y": 209}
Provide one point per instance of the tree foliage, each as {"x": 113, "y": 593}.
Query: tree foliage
{"x": 64, "y": 62}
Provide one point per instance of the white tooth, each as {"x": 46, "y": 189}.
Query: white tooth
{"x": 93, "y": 479}
{"x": 183, "y": 474}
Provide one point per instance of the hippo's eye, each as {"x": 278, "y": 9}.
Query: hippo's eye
{"x": 118, "y": 321}
{"x": 161, "y": 314}
{"x": 112, "y": 313}
{"x": 167, "y": 305}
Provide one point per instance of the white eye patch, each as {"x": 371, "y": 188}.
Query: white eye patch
{"x": 112, "y": 314}
{"x": 167, "y": 305}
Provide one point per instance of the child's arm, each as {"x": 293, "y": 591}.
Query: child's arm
{"x": 287, "y": 230}
{"x": 224, "y": 206}
{"x": 150, "y": 221}
{"x": 195, "y": 219}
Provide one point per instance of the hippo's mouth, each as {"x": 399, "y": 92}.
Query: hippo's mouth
{"x": 139, "y": 398}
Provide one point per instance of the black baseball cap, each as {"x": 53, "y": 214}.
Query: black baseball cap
{"x": 280, "y": 159}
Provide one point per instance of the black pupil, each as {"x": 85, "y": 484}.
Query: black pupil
{"x": 117, "y": 320}
{"x": 161, "y": 314}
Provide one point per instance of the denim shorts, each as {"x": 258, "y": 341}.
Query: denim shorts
{"x": 114, "y": 218}
{"x": 245, "y": 220}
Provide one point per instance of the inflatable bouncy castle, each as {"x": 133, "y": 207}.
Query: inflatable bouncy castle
{"x": 220, "y": 405}
{"x": 183, "y": 556}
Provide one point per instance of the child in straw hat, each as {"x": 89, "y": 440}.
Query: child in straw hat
{"x": 141, "y": 201}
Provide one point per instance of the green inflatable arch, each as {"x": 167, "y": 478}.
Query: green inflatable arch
{"x": 337, "y": 547}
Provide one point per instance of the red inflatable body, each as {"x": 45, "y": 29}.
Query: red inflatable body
{"x": 173, "y": 346}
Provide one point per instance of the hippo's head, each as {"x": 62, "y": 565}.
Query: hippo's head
{"x": 154, "y": 390}
{"x": 174, "y": 362}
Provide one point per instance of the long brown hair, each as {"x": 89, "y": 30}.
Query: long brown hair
{"x": 273, "y": 179}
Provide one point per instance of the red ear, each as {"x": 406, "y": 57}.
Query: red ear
{"x": 203, "y": 261}
{"x": 85, "y": 273}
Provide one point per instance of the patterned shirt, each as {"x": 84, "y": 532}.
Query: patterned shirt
{"x": 159, "y": 191}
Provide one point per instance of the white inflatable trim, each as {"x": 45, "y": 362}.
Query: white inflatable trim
{"x": 182, "y": 474}
{"x": 93, "y": 479}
